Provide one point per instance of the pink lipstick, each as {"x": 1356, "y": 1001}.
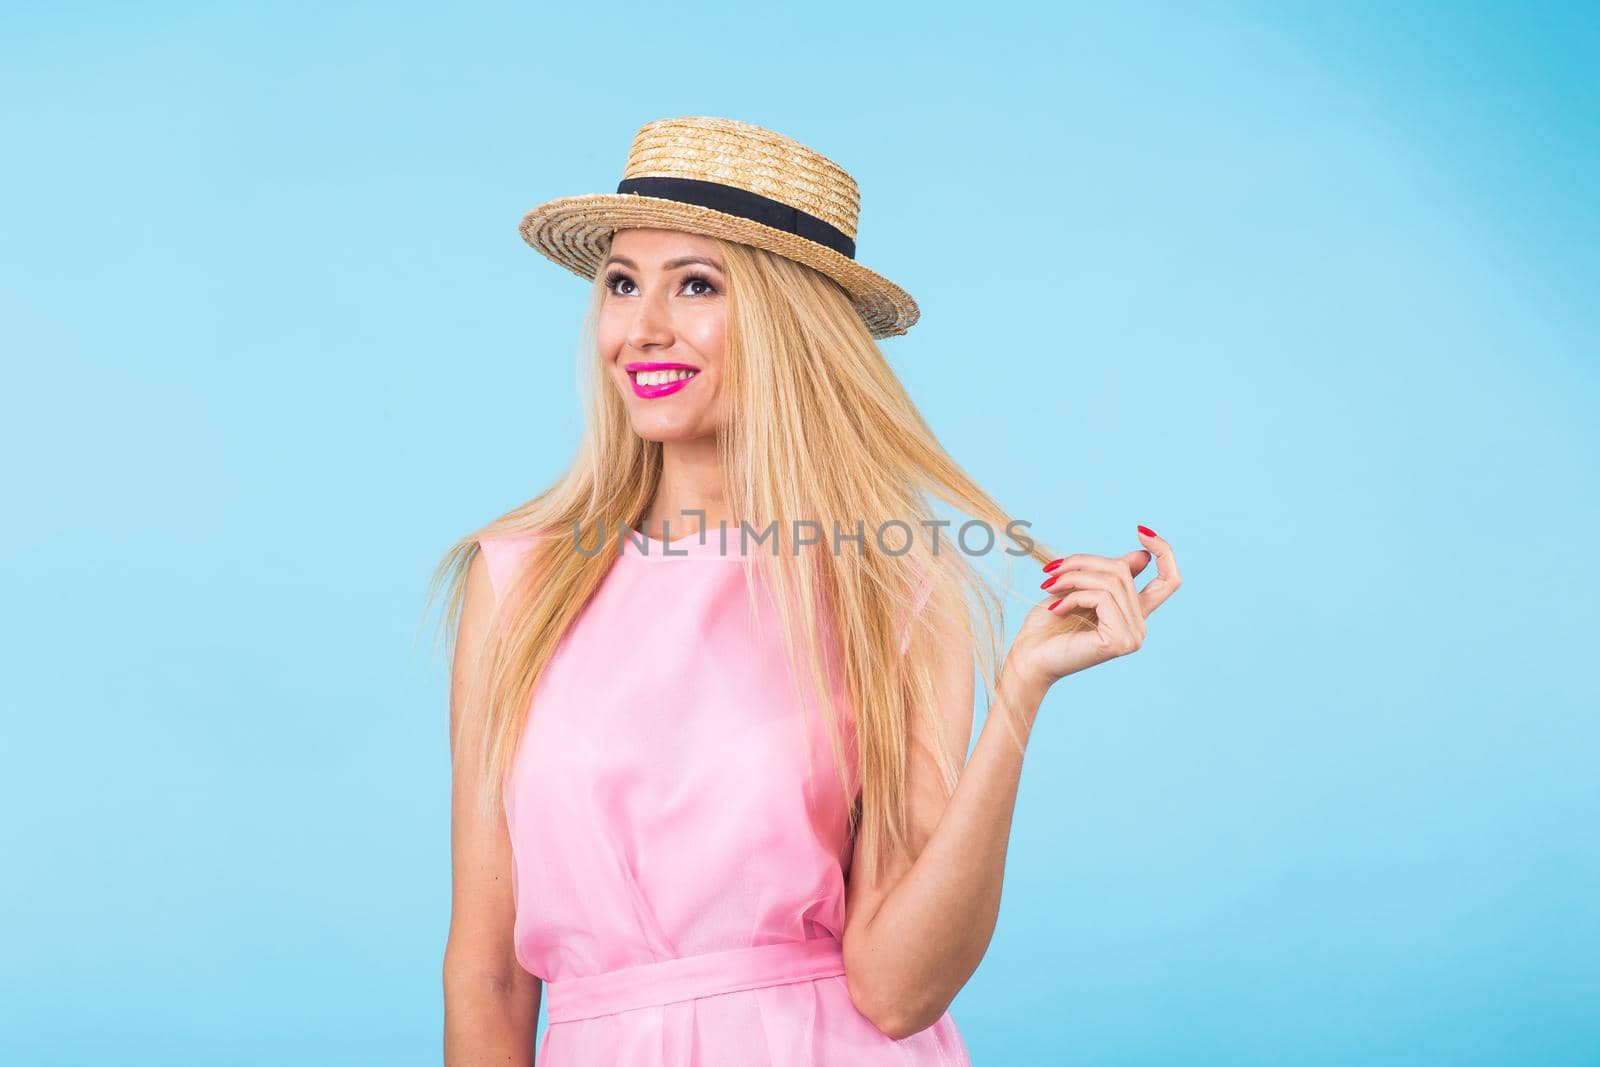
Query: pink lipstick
{"x": 658, "y": 384}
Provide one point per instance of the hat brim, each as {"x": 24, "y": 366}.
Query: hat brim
{"x": 573, "y": 230}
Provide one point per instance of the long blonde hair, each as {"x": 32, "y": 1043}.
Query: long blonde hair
{"x": 816, "y": 427}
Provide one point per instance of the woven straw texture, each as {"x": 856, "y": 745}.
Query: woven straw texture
{"x": 573, "y": 230}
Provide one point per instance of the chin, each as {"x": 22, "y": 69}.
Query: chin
{"x": 669, "y": 433}
{"x": 667, "y": 436}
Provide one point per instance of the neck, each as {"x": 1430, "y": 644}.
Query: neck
{"x": 691, "y": 481}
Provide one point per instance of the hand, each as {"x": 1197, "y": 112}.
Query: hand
{"x": 1108, "y": 615}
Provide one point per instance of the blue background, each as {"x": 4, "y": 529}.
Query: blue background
{"x": 1310, "y": 289}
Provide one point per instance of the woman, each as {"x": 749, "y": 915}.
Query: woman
{"x": 704, "y": 787}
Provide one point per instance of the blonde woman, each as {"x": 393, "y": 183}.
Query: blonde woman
{"x": 713, "y": 691}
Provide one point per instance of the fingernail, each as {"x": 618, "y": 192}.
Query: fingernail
{"x": 1046, "y": 583}
{"x": 1147, "y": 531}
{"x": 1054, "y": 563}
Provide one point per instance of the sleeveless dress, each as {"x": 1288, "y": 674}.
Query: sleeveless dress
{"x": 678, "y": 862}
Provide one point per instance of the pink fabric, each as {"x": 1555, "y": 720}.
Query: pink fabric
{"x": 678, "y": 865}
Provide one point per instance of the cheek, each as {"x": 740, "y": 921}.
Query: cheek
{"x": 709, "y": 334}
{"x": 609, "y": 340}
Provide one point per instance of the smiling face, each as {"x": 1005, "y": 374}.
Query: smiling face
{"x": 662, "y": 324}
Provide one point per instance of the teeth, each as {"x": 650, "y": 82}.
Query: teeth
{"x": 662, "y": 377}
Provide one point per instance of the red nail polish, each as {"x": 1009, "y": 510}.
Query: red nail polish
{"x": 1147, "y": 531}
{"x": 1046, "y": 583}
{"x": 1054, "y": 563}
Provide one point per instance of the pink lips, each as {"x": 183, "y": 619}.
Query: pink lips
{"x": 650, "y": 392}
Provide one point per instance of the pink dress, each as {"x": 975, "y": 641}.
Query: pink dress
{"x": 678, "y": 868}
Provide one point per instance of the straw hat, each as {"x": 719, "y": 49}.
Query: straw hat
{"x": 732, "y": 180}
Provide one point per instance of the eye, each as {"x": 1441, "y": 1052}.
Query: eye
{"x": 703, "y": 280}
{"x": 613, "y": 278}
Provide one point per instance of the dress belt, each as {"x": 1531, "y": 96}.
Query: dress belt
{"x": 689, "y": 977}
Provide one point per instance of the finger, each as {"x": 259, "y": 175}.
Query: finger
{"x": 1135, "y": 561}
{"x": 1112, "y": 575}
{"x": 1118, "y": 570}
{"x": 1124, "y": 569}
{"x": 1113, "y": 629}
{"x": 1167, "y": 579}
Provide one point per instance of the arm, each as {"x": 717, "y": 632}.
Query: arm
{"x": 491, "y": 1005}
{"x": 914, "y": 937}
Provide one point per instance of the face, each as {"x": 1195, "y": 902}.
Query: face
{"x": 661, "y": 330}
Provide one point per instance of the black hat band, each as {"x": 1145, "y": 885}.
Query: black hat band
{"x": 745, "y": 204}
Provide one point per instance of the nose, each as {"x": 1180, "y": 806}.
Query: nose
{"x": 651, "y": 326}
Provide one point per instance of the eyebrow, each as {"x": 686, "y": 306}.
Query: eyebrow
{"x": 671, "y": 264}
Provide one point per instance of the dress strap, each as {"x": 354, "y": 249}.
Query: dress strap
{"x": 691, "y": 977}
